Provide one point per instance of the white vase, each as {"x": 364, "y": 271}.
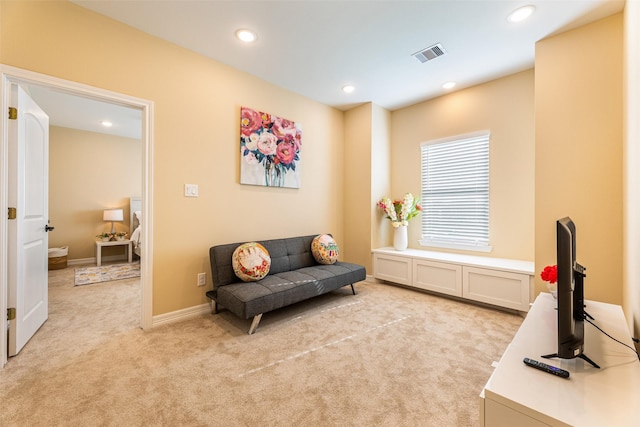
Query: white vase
{"x": 400, "y": 239}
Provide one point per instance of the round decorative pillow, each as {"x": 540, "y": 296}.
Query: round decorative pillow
{"x": 251, "y": 262}
{"x": 325, "y": 249}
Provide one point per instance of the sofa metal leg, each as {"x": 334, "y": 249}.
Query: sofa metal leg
{"x": 254, "y": 323}
{"x": 353, "y": 289}
{"x": 214, "y": 307}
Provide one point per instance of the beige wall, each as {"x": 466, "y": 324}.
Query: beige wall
{"x": 89, "y": 172}
{"x": 380, "y": 175}
{"x": 197, "y": 103}
{"x": 196, "y": 138}
{"x": 357, "y": 218}
{"x": 367, "y": 178}
{"x": 579, "y": 151}
{"x": 503, "y": 106}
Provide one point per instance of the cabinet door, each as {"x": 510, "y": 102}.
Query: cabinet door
{"x": 501, "y": 288}
{"x": 438, "y": 277}
{"x": 392, "y": 268}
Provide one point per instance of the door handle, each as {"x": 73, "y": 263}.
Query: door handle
{"x": 48, "y": 228}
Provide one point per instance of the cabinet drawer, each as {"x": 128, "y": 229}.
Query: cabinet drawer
{"x": 395, "y": 269}
{"x": 501, "y": 288}
{"x": 438, "y": 277}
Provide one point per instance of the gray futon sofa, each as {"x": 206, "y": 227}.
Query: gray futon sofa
{"x": 294, "y": 276}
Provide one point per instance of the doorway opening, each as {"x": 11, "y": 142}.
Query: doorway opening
{"x": 9, "y": 76}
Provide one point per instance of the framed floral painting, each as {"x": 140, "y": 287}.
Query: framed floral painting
{"x": 269, "y": 150}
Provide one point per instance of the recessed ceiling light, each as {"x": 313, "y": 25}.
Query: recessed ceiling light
{"x": 521, "y": 13}
{"x": 246, "y": 36}
{"x": 106, "y": 123}
{"x": 348, "y": 88}
{"x": 448, "y": 85}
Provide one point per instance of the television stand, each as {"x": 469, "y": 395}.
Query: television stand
{"x": 581, "y": 356}
{"x": 517, "y": 395}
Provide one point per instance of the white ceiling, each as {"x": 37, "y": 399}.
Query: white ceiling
{"x": 76, "y": 112}
{"x": 313, "y": 48}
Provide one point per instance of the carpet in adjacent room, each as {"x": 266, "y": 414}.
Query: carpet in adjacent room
{"x": 106, "y": 273}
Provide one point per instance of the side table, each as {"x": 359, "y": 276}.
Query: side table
{"x": 100, "y": 244}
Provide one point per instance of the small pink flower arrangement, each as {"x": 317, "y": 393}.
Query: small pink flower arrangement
{"x": 550, "y": 274}
{"x": 400, "y": 211}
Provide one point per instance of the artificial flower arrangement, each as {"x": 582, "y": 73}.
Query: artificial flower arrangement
{"x": 550, "y": 274}
{"x": 109, "y": 236}
{"x": 400, "y": 211}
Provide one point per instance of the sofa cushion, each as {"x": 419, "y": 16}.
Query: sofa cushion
{"x": 286, "y": 254}
{"x": 281, "y": 289}
{"x": 251, "y": 262}
{"x": 325, "y": 249}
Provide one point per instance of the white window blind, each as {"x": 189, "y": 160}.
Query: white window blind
{"x": 455, "y": 192}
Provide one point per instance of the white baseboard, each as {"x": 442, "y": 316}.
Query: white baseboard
{"x": 81, "y": 261}
{"x": 184, "y": 314}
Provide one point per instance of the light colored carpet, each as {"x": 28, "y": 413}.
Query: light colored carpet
{"x": 386, "y": 357}
{"x": 106, "y": 273}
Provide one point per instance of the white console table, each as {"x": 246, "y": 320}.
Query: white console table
{"x": 517, "y": 395}
{"x": 501, "y": 282}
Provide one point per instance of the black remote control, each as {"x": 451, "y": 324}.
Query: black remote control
{"x": 546, "y": 368}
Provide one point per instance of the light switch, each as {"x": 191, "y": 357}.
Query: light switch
{"x": 191, "y": 190}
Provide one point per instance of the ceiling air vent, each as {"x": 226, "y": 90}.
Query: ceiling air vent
{"x": 430, "y": 53}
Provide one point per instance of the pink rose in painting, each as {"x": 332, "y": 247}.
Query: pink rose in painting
{"x": 266, "y": 120}
{"x": 267, "y": 143}
{"x": 283, "y": 128}
{"x": 286, "y": 152}
{"x": 250, "y": 121}
{"x": 298, "y": 140}
{"x": 250, "y": 158}
{"x": 295, "y": 140}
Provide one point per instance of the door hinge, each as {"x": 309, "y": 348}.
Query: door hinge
{"x": 13, "y": 113}
{"x": 11, "y": 313}
{"x": 12, "y": 213}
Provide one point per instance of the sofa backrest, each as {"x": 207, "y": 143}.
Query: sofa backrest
{"x": 286, "y": 254}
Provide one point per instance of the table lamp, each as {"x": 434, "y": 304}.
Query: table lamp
{"x": 112, "y": 215}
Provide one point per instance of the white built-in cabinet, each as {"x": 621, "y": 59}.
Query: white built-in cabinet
{"x": 496, "y": 281}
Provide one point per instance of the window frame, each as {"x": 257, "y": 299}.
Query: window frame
{"x": 479, "y": 238}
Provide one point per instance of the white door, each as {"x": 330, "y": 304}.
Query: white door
{"x": 28, "y": 242}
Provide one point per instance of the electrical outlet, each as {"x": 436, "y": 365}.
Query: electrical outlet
{"x": 202, "y": 279}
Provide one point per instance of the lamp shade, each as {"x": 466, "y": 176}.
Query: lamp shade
{"x": 112, "y": 215}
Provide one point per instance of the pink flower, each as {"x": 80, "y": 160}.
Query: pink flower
{"x": 267, "y": 143}
{"x": 266, "y": 120}
{"x": 250, "y": 121}
{"x": 250, "y": 158}
{"x": 284, "y": 129}
{"x": 286, "y": 152}
{"x": 400, "y": 211}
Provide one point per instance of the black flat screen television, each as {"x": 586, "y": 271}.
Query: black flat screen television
{"x": 571, "y": 313}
